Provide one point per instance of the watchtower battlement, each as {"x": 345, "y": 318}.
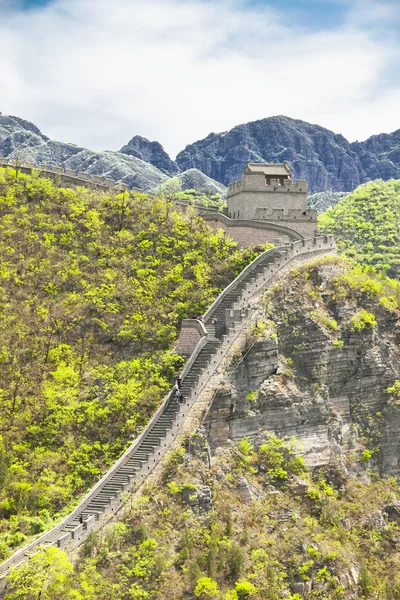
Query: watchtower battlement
{"x": 267, "y": 191}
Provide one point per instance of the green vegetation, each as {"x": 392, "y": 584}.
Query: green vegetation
{"x": 321, "y": 201}
{"x": 366, "y": 224}
{"x": 172, "y": 190}
{"x": 92, "y": 288}
{"x": 321, "y": 529}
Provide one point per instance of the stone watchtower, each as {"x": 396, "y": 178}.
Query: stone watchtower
{"x": 267, "y": 191}
{"x": 265, "y": 206}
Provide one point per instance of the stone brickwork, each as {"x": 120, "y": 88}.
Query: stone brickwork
{"x": 190, "y": 334}
{"x": 252, "y": 233}
{"x": 266, "y": 193}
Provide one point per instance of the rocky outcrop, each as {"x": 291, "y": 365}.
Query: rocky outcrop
{"x": 151, "y": 152}
{"x": 10, "y": 124}
{"x": 322, "y": 379}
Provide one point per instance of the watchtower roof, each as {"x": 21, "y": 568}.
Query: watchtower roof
{"x": 271, "y": 169}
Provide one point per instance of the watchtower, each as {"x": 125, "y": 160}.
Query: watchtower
{"x": 267, "y": 191}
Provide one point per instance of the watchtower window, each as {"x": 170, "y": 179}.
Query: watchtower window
{"x": 281, "y": 180}
{"x": 267, "y": 181}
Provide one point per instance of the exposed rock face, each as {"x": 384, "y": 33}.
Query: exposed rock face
{"x": 10, "y": 124}
{"x": 151, "y": 152}
{"x": 321, "y": 380}
{"x": 322, "y": 157}
{"x": 380, "y": 155}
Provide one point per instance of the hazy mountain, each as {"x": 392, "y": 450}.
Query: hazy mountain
{"x": 193, "y": 179}
{"x": 22, "y": 140}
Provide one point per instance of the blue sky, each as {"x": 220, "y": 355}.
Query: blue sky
{"x": 97, "y": 72}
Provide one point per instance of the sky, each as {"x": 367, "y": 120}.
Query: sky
{"x": 98, "y": 72}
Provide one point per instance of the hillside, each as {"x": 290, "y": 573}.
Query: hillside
{"x": 366, "y": 224}
{"x": 256, "y": 516}
{"x": 92, "y": 289}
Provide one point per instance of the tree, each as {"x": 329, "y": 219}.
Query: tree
{"x": 46, "y": 576}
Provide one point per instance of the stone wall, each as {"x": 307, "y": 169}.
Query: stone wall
{"x": 245, "y": 204}
{"x": 252, "y": 233}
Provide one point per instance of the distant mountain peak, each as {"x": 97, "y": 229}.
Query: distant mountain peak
{"x": 151, "y": 152}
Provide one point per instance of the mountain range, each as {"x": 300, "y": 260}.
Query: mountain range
{"x": 326, "y": 159}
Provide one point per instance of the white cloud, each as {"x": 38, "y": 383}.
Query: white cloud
{"x": 95, "y": 73}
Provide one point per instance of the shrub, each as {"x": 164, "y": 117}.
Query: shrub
{"x": 338, "y": 343}
{"x": 245, "y": 446}
{"x": 362, "y": 319}
{"x": 244, "y": 589}
{"x": 394, "y": 390}
{"x": 206, "y": 588}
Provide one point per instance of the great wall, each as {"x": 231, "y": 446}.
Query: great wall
{"x": 207, "y": 344}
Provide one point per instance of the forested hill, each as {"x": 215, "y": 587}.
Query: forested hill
{"x": 92, "y": 288}
{"x": 366, "y": 224}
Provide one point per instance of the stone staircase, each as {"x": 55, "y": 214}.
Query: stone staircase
{"x": 230, "y": 310}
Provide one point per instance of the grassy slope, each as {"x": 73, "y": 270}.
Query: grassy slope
{"x": 91, "y": 291}
{"x": 366, "y": 224}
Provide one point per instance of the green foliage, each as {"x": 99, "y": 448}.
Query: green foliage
{"x": 47, "y": 575}
{"x": 393, "y": 390}
{"x": 244, "y": 589}
{"x": 366, "y": 224}
{"x": 252, "y": 396}
{"x": 206, "y": 588}
{"x": 279, "y": 458}
{"x": 245, "y": 446}
{"x": 338, "y": 343}
{"x": 362, "y": 320}
{"x": 92, "y": 288}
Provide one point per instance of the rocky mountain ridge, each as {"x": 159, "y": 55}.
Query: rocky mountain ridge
{"x": 326, "y": 159}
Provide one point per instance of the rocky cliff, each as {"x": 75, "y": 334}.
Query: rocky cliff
{"x": 319, "y": 361}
